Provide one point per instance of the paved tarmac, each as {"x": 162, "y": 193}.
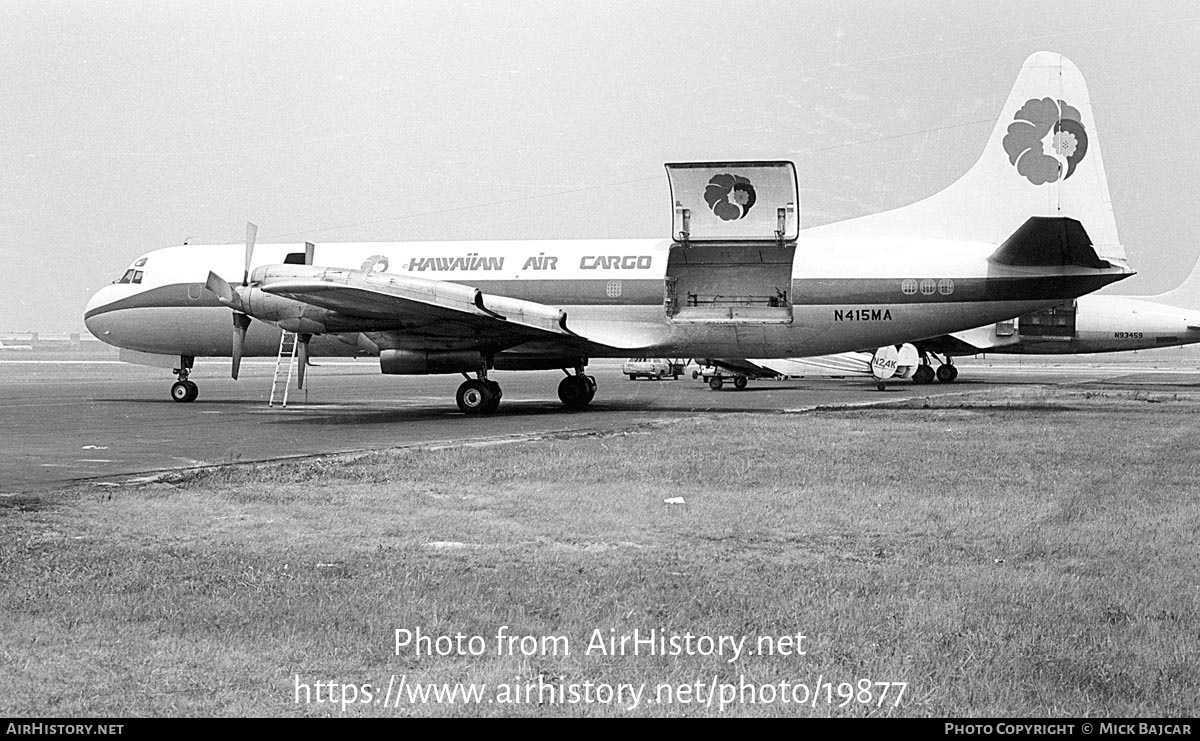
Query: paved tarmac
{"x": 108, "y": 422}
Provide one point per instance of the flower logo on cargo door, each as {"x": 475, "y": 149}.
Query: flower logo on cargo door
{"x": 1046, "y": 140}
{"x": 730, "y": 196}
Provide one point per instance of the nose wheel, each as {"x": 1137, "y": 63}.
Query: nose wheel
{"x": 183, "y": 390}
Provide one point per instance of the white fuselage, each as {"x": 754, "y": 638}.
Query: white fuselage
{"x": 1113, "y": 324}
{"x": 843, "y": 294}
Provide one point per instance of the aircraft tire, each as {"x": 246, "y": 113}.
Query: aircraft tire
{"x": 184, "y": 391}
{"x": 715, "y": 383}
{"x": 576, "y": 392}
{"x": 739, "y": 382}
{"x": 477, "y": 397}
{"x": 947, "y": 373}
{"x": 497, "y": 394}
{"x": 923, "y": 375}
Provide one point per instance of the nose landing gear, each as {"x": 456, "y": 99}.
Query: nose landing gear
{"x": 183, "y": 390}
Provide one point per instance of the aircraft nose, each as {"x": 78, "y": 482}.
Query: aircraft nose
{"x": 99, "y": 314}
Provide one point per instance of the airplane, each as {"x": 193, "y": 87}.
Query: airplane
{"x": 1029, "y": 226}
{"x": 1088, "y": 324}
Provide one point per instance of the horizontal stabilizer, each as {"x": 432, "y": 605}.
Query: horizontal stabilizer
{"x": 1049, "y": 241}
{"x": 985, "y": 338}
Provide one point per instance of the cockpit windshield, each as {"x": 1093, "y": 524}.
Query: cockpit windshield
{"x": 133, "y": 274}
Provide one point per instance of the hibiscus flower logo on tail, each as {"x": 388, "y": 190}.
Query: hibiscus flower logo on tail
{"x": 730, "y": 196}
{"x": 1046, "y": 140}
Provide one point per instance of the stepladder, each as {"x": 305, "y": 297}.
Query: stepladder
{"x": 285, "y": 363}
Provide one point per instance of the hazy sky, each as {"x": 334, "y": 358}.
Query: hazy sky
{"x": 127, "y": 126}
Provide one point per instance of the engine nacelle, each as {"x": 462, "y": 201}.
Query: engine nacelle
{"x": 287, "y": 313}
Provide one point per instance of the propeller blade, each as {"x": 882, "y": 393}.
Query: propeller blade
{"x": 226, "y": 293}
{"x": 241, "y": 323}
{"x": 251, "y": 235}
{"x": 302, "y": 354}
{"x": 219, "y": 286}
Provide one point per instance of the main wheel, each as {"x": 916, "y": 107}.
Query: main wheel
{"x": 497, "y": 394}
{"x": 739, "y": 382}
{"x": 923, "y": 374}
{"x": 576, "y": 392}
{"x": 715, "y": 383}
{"x": 947, "y": 373}
{"x": 477, "y": 397}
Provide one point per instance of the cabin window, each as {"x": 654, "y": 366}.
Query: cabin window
{"x": 294, "y": 258}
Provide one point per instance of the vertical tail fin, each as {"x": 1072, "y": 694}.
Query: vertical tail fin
{"x": 1042, "y": 159}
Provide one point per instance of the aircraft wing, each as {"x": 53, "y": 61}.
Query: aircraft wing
{"x": 419, "y": 308}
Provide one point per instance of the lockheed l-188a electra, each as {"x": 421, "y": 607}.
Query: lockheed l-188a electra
{"x": 1029, "y": 226}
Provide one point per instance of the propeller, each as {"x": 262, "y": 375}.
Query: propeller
{"x": 236, "y": 299}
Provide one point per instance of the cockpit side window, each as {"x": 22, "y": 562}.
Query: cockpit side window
{"x": 137, "y": 277}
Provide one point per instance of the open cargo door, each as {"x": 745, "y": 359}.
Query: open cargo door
{"x": 734, "y": 228}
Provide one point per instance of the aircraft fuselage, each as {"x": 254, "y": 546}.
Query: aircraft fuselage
{"x": 829, "y": 296}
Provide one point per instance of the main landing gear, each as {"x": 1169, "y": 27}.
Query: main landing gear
{"x": 946, "y": 372}
{"x": 480, "y": 395}
{"x": 183, "y": 390}
{"x": 577, "y": 391}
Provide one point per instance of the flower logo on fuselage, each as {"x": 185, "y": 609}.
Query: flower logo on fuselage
{"x": 1046, "y": 140}
{"x": 730, "y": 196}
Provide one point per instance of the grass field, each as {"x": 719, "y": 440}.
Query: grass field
{"x": 986, "y": 555}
